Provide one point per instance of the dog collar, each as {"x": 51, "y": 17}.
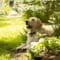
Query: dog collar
{"x": 32, "y": 33}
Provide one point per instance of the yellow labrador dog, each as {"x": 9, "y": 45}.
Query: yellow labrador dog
{"x": 34, "y": 25}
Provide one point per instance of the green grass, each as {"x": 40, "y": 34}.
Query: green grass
{"x": 11, "y": 35}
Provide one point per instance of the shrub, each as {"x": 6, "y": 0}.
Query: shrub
{"x": 49, "y": 44}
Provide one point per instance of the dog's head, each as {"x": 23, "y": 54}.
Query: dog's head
{"x": 33, "y": 24}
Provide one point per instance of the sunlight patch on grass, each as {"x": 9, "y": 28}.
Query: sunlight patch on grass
{"x": 11, "y": 31}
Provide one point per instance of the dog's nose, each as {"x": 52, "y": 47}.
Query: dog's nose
{"x": 26, "y": 22}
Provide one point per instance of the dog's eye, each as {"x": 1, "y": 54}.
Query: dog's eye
{"x": 33, "y": 20}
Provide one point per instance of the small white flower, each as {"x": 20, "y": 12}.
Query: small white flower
{"x": 33, "y": 44}
{"x": 41, "y": 40}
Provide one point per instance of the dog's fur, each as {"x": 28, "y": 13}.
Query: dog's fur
{"x": 35, "y": 25}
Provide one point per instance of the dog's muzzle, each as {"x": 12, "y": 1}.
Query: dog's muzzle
{"x": 27, "y": 24}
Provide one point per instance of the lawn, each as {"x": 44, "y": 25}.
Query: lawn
{"x": 11, "y": 35}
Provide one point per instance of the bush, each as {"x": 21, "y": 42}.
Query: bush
{"x": 51, "y": 44}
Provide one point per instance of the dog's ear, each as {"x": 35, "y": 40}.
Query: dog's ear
{"x": 39, "y": 23}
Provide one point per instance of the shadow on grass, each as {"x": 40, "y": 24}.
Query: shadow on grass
{"x": 8, "y": 47}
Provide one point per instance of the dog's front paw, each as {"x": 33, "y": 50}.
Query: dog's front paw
{"x": 21, "y": 50}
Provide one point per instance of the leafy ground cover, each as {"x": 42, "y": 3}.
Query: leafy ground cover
{"x": 47, "y": 47}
